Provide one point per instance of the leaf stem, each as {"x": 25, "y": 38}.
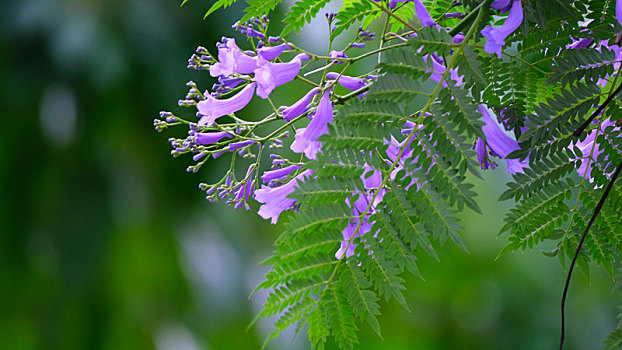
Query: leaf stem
{"x": 390, "y": 13}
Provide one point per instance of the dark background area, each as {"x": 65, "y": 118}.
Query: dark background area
{"x": 107, "y": 243}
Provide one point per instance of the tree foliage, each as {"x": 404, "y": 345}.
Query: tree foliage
{"x": 541, "y": 88}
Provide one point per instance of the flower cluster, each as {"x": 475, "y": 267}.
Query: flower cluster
{"x": 243, "y": 74}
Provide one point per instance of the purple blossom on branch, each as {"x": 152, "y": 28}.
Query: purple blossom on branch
{"x": 211, "y": 108}
{"x": 350, "y": 83}
{"x": 423, "y": 14}
{"x": 275, "y": 200}
{"x": 269, "y": 75}
{"x": 496, "y": 36}
{"x": 209, "y": 137}
{"x": 279, "y": 174}
{"x": 306, "y": 138}
{"x": 232, "y": 60}
{"x": 500, "y": 143}
{"x": 298, "y": 108}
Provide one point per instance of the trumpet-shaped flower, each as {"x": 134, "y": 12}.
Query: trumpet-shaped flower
{"x": 619, "y": 11}
{"x": 496, "y": 36}
{"x": 245, "y": 190}
{"x": 306, "y": 138}
{"x": 500, "y": 143}
{"x": 275, "y": 200}
{"x": 500, "y": 4}
{"x": 232, "y": 60}
{"x": 269, "y": 75}
{"x": 279, "y": 174}
{"x": 423, "y": 14}
{"x": 272, "y": 52}
{"x": 300, "y": 106}
{"x": 350, "y": 83}
{"x": 206, "y": 138}
{"x": 213, "y": 108}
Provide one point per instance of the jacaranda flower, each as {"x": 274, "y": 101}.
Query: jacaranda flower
{"x": 371, "y": 184}
{"x": 300, "y": 106}
{"x": 423, "y": 14}
{"x": 306, "y": 138}
{"x": 272, "y": 52}
{"x": 206, "y": 138}
{"x": 246, "y": 190}
{"x": 500, "y": 143}
{"x": 347, "y": 235}
{"x": 232, "y": 60}
{"x": 500, "y": 4}
{"x": 275, "y": 199}
{"x": 350, "y": 83}
{"x": 496, "y": 36}
{"x": 213, "y": 108}
{"x": 586, "y": 146}
{"x": 279, "y": 174}
{"x": 237, "y": 145}
{"x": 619, "y": 11}
{"x": 269, "y": 75}
{"x": 337, "y": 55}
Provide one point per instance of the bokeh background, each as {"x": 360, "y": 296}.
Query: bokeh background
{"x": 107, "y": 243}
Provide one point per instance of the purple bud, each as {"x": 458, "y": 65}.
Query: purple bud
{"x": 198, "y": 156}
{"x": 453, "y": 15}
{"x": 274, "y": 40}
{"x": 358, "y": 45}
{"x": 210, "y": 137}
{"x": 237, "y": 145}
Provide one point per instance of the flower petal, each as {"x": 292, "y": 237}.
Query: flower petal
{"x": 300, "y": 106}
{"x": 213, "y": 108}
{"x": 306, "y": 138}
{"x": 496, "y": 36}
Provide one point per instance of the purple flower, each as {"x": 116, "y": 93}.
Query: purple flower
{"x": 337, "y": 55}
{"x": 269, "y": 75}
{"x": 496, "y": 36}
{"x": 580, "y": 44}
{"x": 272, "y": 52}
{"x": 500, "y": 4}
{"x": 350, "y": 83}
{"x": 586, "y": 145}
{"x": 423, "y": 14}
{"x": 245, "y": 190}
{"x": 212, "y": 108}
{"x": 306, "y": 138}
{"x": 370, "y": 182}
{"x": 438, "y": 69}
{"x": 275, "y": 200}
{"x": 619, "y": 11}
{"x": 206, "y": 138}
{"x": 500, "y": 143}
{"x": 279, "y": 174}
{"x": 232, "y": 60}
{"x": 358, "y": 45}
{"x": 237, "y": 145}
{"x": 347, "y": 235}
{"x": 300, "y": 106}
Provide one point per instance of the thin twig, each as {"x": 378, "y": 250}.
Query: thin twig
{"x": 599, "y": 206}
{"x": 579, "y": 131}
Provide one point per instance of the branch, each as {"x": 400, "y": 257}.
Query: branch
{"x": 580, "y": 130}
{"x": 599, "y": 206}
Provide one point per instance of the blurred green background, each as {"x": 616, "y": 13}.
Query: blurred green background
{"x": 107, "y": 243}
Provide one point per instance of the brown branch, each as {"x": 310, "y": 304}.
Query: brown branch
{"x": 599, "y": 206}
{"x": 579, "y": 131}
